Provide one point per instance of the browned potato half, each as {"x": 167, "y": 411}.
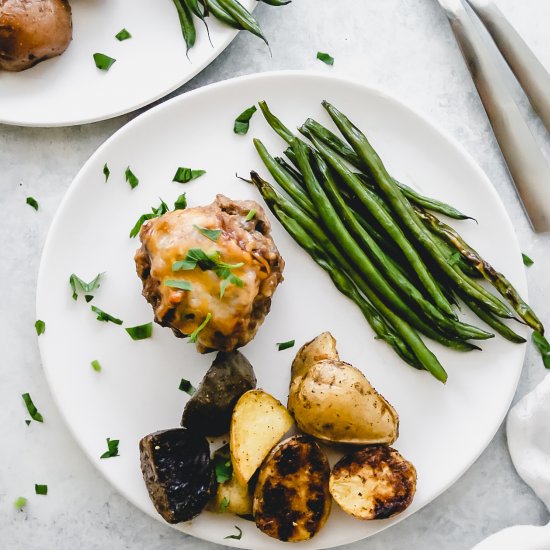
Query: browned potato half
{"x": 322, "y": 347}
{"x": 32, "y": 31}
{"x": 233, "y": 498}
{"x": 258, "y": 423}
{"x": 373, "y": 483}
{"x": 334, "y": 402}
{"x": 292, "y": 499}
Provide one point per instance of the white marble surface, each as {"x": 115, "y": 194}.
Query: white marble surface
{"x": 402, "y": 46}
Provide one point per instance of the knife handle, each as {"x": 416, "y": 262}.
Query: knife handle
{"x": 531, "y": 74}
{"x": 527, "y": 166}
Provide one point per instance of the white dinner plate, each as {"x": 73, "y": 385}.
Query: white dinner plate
{"x": 443, "y": 428}
{"x": 70, "y": 89}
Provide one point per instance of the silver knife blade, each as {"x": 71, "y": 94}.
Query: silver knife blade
{"x": 530, "y": 72}
{"x": 526, "y": 164}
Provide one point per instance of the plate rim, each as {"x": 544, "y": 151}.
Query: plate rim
{"x": 307, "y": 74}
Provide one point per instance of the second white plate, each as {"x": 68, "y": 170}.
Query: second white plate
{"x": 443, "y": 428}
{"x": 70, "y": 89}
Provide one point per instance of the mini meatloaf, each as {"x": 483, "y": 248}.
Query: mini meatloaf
{"x": 210, "y": 272}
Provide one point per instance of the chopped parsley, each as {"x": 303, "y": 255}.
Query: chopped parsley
{"x": 131, "y": 178}
{"x": 28, "y": 422}
{"x": 123, "y": 35}
{"x": 112, "y": 448}
{"x": 33, "y": 411}
{"x": 103, "y": 62}
{"x": 40, "y": 327}
{"x": 242, "y": 122}
{"x": 222, "y": 465}
{"x": 140, "y": 332}
{"x": 543, "y": 346}
{"x": 454, "y": 258}
{"x": 95, "y": 365}
{"x": 31, "y": 201}
{"x": 285, "y": 345}
{"x": 185, "y": 175}
{"x": 187, "y": 387}
{"x": 250, "y": 215}
{"x": 77, "y": 284}
{"x": 325, "y": 58}
{"x": 526, "y": 260}
{"x": 41, "y": 489}
{"x": 179, "y": 284}
{"x": 212, "y": 234}
{"x": 224, "y": 504}
{"x": 20, "y": 503}
{"x": 105, "y": 317}
{"x": 238, "y": 536}
{"x": 181, "y": 202}
{"x": 155, "y": 213}
{"x": 106, "y": 172}
{"x": 195, "y": 334}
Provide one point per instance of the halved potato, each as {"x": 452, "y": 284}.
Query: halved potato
{"x": 318, "y": 349}
{"x": 258, "y": 423}
{"x": 233, "y": 498}
{"x": 373, "y": 483}
{"x": 292, "y": 499}
{"x": 334, "y": 402}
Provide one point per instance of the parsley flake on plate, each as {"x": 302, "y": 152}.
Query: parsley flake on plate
{"x": 103, "y": 62}
{"x": 238, "y": 536}
{"x": 140, "y": 332}
{"x": 105, "y": 317}
{"x": 187, "y": 387}
{"x": 106, "y": 172}
{"x": 40, "y": 489}
{"x": 528, "y": 262}
{"x": 96, "y": 365}
{"x": 242, "y": 122}
{"x": 123, "y": 35}
{"x": 40, "y": 327}
{"x": 285, "y": 345}
{"x": 112, "y": 448}
{"x": 33, "y": 411}
{"x": 185, "y": 175}
{"x": 20, "y": 503}
{"x": 77, "y": 284}
{"x": 131, "y": 178}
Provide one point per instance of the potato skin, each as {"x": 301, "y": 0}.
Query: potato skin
{"x": 334, "y": 402}
{"x": 373, "y": 483}
{"x": 291, "y": 499}
{"x": 209, "y": 410}
{"x": 32, "y": 31}
{"x": 320, "y": 348}
{"x": 178, "y": 472}
{"x": 232, "y": 498}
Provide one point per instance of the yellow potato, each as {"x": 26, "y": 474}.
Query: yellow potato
{"x": 322, "y": 347}
{"x": 258, "y": 423}
{"x": 373, "y": 483}
{"x": 233, "y": 498}
{"x": 334, "y": 401}
{"x": 292, "y": 499}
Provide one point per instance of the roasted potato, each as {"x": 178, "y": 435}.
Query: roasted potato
{"x": 232, "y": 497}
{"x": 334, "y": 402}
{"x": 318, "y": 349}
{"x": 32, "y": 31}
{"x": 373, "y": 483}
{"x": 291, "y": 498}
{"x": 258, "y": 423}
{"x": 178, "y": 472}
{"x": 209, "y": 409}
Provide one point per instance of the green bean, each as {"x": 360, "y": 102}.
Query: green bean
{"x": 214, "y": 7}
{"x": 407, "y": 215}
{"x": 273, "y": 199}
{"x": 276, "y": 2}
{"x": 424, "y": 356}
{"x": 284, "y": 179}
{"x": 371, "y": 201}
{"x": 243, "y": 17}
{"x": 334, "y": 142}
{"x": 186, "y": 23}
{"x": 291, "y": 170}
{"x": 275, "y": 123}
{"x": 498, "y": 280}
{"x": 494, "y": 322}
{"x": 346, "y": 287}
{"x": 395, "y": 276}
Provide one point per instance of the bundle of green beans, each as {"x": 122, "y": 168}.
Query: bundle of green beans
{"x": 382, "y": 244}
{"x": 230, "y": 12}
